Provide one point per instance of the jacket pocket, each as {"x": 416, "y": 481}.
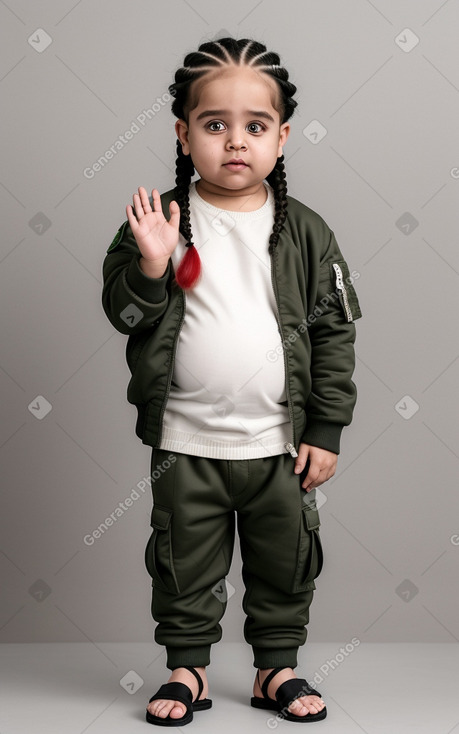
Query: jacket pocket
{"x": 159, "y": 556}
{"x": 135, "y": 345}
{"x": 310, "y": 553}
{"x": 346, "y": 291}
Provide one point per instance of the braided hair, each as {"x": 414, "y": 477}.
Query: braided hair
{"x": 209, "y": 57}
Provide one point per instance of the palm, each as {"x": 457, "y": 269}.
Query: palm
{"x": 156, "y": 237}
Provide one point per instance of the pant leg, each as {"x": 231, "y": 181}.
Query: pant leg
{"x": 189, "y": 553}
{"x": 278, "y": 526}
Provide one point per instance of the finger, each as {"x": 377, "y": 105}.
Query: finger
{"x": 139, "y": 212}
{"x": 300, "y": 463}
{"x": 324, "y": 475}
{"x": 174, "y": 209}
{"x": 311, "y": 477}
{"x": 156, "y": 201}
{"x": 132, "y": 220}
{"x": 144, "y": 199}
{"x": 315, "y": 484}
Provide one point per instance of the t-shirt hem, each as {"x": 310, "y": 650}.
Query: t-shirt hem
{"x": 184, "y": 443}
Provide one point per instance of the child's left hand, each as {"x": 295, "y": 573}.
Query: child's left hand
{"x": 322, "y": 465}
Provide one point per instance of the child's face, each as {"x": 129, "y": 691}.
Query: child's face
{"x": 234, "y": 119}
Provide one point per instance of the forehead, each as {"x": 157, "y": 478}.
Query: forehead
{"x": 235, "y": 86}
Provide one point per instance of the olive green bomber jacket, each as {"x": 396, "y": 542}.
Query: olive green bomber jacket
{"x": 317, "y": 306}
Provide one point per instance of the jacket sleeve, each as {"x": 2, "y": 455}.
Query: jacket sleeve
{"x": 332, "y": 334}
{"x": 131, "y": 299}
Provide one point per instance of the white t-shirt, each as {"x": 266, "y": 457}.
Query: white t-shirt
{"x": 227, "y": 399}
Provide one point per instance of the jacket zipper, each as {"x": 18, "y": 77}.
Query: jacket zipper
{"x": 290, "y": 445}
{"x": 342, "y": 288}
{"x": 171, "y": 368}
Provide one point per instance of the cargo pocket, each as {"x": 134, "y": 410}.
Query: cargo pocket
{"x": 159, "y": 558}
{"x": 310, "y": 555}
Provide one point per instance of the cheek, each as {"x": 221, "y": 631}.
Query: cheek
{"x": 269, "y": 145}
{"x": 197, "y": 142}
{"x": 208, "y": 150}
{"x": 270, "y": 152}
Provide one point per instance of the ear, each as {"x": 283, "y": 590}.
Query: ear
{"x": 284, "y": 131}
{"x": 181, "y": 128}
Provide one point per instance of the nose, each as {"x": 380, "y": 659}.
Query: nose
{"x": 236, "y": 141}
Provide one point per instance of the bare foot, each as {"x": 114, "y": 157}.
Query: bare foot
{"x": 301, "y": 706}
{"x": 176, "y": 709}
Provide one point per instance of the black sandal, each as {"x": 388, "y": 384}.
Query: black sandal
{"x": 285, "y": 694}
{"x": 177, "y": 691}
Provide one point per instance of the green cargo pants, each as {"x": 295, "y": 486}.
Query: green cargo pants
{"x": 189, "y": 552}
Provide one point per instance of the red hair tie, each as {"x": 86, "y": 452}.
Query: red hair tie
{"x": 189, "y": 270}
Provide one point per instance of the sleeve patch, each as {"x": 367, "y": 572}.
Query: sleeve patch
{"x": 344, "y": 285}
{"x": 118, "y": 236}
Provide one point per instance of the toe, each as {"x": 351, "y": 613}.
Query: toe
{"x": 297, "y": 708}
{"x": 316, "y": 702}
{"x": 306, "y": 705}
{"x": 162, "y": 709}
{"x": 177, "y": 711}
{"x": 165, "y": 708}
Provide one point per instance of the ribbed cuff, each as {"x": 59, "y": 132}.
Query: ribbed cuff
{"x": 152, "y": 290}
{"x": 198, "y": 657}
{"x": 323, "y": 434}
{"x": 270, "y": 657}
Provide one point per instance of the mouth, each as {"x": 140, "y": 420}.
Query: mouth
{"x": 236, "y": 164}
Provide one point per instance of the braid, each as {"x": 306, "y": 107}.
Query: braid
{"x": 209, "y": 57}
{"x": 277, "y": 179}
{"x": 189, "y": 269}
{"x": 184, "y": 171}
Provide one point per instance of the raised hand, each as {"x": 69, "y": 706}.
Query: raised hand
{"x": 156, "y": 237}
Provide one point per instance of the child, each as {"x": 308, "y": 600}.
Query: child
{"x": 239, "y": 308}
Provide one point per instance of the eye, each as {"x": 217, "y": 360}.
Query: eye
{"x": 214, "y": 129}
{"x": 258, "y": 127}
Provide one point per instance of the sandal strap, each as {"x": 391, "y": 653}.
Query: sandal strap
{"x": 268, "y": 679}
{"x": 175, "y": 691}
{"x": 292, "y": 689}
{"x": 196, "y": 675}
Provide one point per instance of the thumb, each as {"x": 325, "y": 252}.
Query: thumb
{"x": 175, "y": 215}
{"x": 301, "y": 459}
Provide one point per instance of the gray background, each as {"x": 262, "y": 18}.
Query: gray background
{"x": 385, "y": 177}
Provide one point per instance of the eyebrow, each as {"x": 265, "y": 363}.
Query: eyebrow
{"x": 219, "y": 113}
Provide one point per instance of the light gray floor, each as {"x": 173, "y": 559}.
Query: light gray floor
{"x": 381, "y": 688}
